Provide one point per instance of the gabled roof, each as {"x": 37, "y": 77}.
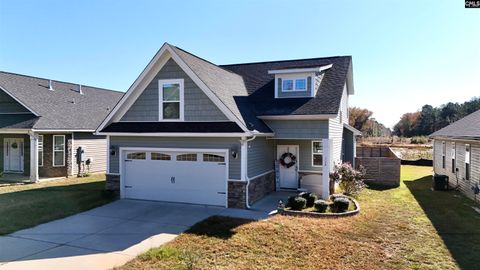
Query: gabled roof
{"x": 246, "y": 91}
{"x": 467, "y": 127}
{"x": 63, "y": 108}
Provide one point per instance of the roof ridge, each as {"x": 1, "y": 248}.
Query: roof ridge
{"x": 288, "y": 60}
{"x": 41, "y": 78}
{"x": 203, "y": 59}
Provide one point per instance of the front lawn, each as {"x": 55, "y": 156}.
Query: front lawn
{"x": 23, "y": 206}
{"x": 410, "y": 227}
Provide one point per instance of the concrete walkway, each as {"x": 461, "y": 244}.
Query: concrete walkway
{"x": 112, "y": 234}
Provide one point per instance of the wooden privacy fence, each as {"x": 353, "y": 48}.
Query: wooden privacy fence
{"x": 382, "y": 166}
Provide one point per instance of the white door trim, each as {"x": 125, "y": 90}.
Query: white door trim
{"x": 297, "y": 165}
{"x": 122, "y": 151}
{"x": 22, "y": 155}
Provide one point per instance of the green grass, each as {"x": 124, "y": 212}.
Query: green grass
{"x": 24, "y": 206}
{"x": 409, "y": 227}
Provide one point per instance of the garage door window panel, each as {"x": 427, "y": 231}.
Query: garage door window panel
{"x": 137, "y": 155}
{"x": 213, "y": 158}
{"x": 160, "y": 156}
{"x": 187, "y": 157}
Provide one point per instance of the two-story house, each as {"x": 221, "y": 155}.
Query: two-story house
{"x": 191, "y": 131}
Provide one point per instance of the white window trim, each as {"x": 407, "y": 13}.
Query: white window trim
{"x": 160, "y": 99}
{"x": 63, "y": 151}
{"x": 40, "y": 157}
{"x": 468, "y": 160}
{"x": 313, "y": 165}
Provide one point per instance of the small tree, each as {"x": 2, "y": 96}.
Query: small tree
{"x": 350, "y": 180}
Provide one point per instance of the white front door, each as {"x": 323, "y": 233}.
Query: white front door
{"x": 186, "y": 176}
{"x": 13, "y": 155}
{"x": 288, "y": 175}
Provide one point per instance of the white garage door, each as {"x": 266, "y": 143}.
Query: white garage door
{"x": 176, "y": 176}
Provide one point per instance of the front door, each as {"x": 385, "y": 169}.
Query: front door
{"x": 288, "y": 175}
{"x": 13, "y": 155}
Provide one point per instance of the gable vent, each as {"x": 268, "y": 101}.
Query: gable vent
{"x": 50, "y": 85}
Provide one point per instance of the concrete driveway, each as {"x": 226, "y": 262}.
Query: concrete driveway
{"x": 109, "y": 235}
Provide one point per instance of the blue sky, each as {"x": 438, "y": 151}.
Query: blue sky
{"x": 405, "y": 53}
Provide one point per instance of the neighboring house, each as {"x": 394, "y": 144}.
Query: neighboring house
{"x": 456, "y": 153}
{"x": 191, "y": 131}
{"x": 44, "y": 122}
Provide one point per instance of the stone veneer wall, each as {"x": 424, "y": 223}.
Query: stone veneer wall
{"x": 112, "y": 182}
{"x": 258, "y": 188}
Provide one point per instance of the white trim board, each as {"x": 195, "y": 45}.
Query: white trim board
{"x": 179, "y": 134}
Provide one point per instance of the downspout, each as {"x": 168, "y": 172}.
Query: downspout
{"x": 244, "y": 144}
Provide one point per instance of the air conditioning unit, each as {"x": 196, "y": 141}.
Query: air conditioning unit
{"x": 440, "y": 182}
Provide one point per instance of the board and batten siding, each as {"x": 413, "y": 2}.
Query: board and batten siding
{"x": 261, "y": 156}
{"x": 197, "y": 105}
{"x": 299, "y": 129}
{"x": 304, "y": 158}
{"x": 95, "y": 148}
{"x": 10, "y": 105}
{"x": 178, "y": 142}
{"x": 335, "y": 127}
{"x": 464, "y": 185}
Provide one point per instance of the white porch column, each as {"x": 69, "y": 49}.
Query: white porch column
{"x": 33, "y": 157}
{"x": 327, "y": 167}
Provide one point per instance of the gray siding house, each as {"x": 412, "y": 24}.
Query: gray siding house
{"x": 456, "y": 153}
{"x": 191, "y": 131}
{"x": 44, "y": 124}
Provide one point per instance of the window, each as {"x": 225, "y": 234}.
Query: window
{"x": 160, "y": 156}
{"x": 287, "y": 85}
{"x": 294, "y": 84}
{"x": 300, "y": 84}
{"x": 444, "y": 149}
{"x": 453, "y": 157}
{"x": 58, "y": 150}
{"x": 187, "y": 157}
{"x": 317, "y": 154}
{"x": 40, "y": 150}
{"x": 137, "y": 155}
{"x": 467, "y": 161}
{"x": 171, "y": 99}
{"x": 213, "y": 158}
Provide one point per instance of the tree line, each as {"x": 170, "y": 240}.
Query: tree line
{"x": 431, "y": 119}
{"x": 361, "y": 119}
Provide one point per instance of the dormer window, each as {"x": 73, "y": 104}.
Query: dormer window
{"x": 294, "y": 84}
{"x": 170, "y": 94}
{"x": 298, "y": 82}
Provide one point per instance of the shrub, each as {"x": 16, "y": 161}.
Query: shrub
{"x": 340, "y": 205}
{"x": 290, "y": 200}
{"x": 350, "y": 180}
{"x": 298, "y": 203}
{"x": 321, "y": 206}
{"x": 419, "y": 140}
{"x": 310, "y": 197}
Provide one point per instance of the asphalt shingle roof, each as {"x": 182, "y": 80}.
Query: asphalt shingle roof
{"x": 467, "y": 127}
{"x": 248, "y": 90}
{"x": 62, "y": 108}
